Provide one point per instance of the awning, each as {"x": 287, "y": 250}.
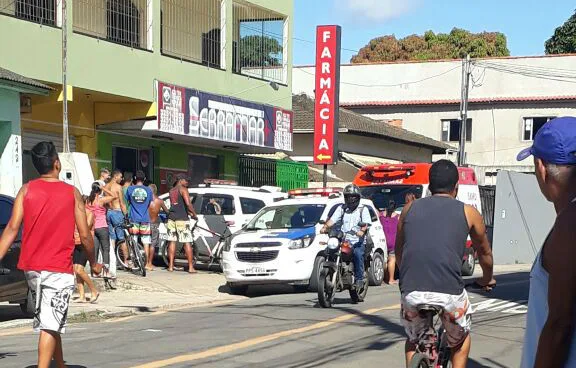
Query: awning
{"x": 149, "y": 129}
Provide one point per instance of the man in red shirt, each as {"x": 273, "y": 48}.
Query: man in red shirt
{"x": 49, "y": 209}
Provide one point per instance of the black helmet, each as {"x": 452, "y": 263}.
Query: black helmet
{"x": 352, "y": 196}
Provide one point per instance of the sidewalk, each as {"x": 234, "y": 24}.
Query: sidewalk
{"x": 159, "y": 290}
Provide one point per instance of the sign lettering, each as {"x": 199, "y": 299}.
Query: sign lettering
{"x": 327, "y": 95}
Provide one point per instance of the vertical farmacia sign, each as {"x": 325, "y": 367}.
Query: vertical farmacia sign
{"x": 327, "y": 95}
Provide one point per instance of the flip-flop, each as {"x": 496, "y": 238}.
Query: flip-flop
{"x": 95, "y": 299}
{"x": 80, "y": 301}
{"x": 192, "y": 272}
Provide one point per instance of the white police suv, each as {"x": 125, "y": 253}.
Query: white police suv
{"x": 282, "y": 244}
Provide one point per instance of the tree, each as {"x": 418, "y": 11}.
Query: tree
{"x": 259, "y": 51}
{"x": 454, "y": 45}
{"x": 563, "y": 41}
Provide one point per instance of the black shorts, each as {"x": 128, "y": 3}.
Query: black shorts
{"x": 79, "y": 256}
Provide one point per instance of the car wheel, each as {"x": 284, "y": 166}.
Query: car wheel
{"x": 28, "y": 307}
{"x": 469, "y": 263}
{"x": 318, "y": 266}
{"x": 237, "y": 289}
{"x": 376, "y": 272}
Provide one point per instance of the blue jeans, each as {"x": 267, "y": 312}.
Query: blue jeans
{"x": 359, "y": 261}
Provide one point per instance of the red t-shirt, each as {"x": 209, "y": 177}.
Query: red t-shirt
{"x": 48, "y": 232}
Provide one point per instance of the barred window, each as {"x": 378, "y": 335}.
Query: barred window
{"x": 191, "y": 30}
{"x": 120, "y": 21}
{"x": 258, "y": 46}
{"x": 37, "y": 11}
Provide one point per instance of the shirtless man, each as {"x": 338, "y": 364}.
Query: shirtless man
{"x": 156, "y": 206}
{"x": 115, "y": 217}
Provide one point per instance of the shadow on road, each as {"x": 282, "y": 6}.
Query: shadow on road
{"x": 7, "y": 355}
{"x": 54, "y": 366}
{"x": 520, "y": 281}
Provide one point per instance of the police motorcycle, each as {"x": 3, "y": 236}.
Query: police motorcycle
{"x": 338, "y": 272}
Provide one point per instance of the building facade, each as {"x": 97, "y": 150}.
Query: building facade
{"x": 123, "y": 55}
{"x": 509, "y": 100}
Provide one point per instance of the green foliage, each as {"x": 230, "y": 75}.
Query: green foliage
{"x": 258, "y": 51}
{"x": 454, "y": 45}
{"x": 563, "y": 41}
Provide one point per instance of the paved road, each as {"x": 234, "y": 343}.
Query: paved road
{"x": 286, "y": 330}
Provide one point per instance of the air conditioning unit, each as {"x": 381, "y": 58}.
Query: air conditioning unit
{"x": 76, "y": 171}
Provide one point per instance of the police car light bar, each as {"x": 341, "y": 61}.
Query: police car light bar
{"x": 219, "y": 182}
{"x": 323, "y": 192}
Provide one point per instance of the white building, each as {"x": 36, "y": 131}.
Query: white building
{"x": 510, "y": 99}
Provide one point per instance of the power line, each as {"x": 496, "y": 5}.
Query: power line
{"x": 388, "y": 85}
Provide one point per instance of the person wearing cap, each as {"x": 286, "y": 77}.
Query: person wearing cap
{"x": 551, "y": 318}
{"x": 178, "y": 225}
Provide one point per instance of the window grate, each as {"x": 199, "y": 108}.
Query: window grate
{"x": 120, "y": 21}
{"x": 37, "y": 11}
{"x": 191, "y": 30}
{"x": 258, "y": 46}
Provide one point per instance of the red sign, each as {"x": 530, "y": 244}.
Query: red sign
{"x": 327, "y": 95}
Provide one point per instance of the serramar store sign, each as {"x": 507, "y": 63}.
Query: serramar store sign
{"x": 194, "y": 113}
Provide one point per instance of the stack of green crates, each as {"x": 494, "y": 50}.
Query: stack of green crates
{"x": 291, "y": 175}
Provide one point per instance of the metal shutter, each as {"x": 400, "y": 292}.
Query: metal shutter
{"x": 31, "y": 137}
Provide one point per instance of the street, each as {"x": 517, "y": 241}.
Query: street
{"x": 282, "y": 330}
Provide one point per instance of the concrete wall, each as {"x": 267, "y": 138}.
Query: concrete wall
{"x": 497, "y": 130}
{"x": 10, "y": 142}
{"x": 369, "y": 146}
{"x": 99, "y": 65}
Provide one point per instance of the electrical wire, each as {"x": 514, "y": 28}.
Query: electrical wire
{"x": 388, "y": 85}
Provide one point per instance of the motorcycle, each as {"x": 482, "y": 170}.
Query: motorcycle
{"x": 338, "y": 272}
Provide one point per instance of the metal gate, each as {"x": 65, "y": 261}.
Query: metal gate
{"x": 488, "y": 199}
{"x": 256, "y": 172}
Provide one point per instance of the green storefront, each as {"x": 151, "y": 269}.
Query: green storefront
{"x": 161, "y": 160}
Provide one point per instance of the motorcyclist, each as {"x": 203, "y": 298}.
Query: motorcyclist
{"x": 354, "y": 220}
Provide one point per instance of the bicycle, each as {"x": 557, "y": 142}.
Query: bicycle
{"x": 432, "y": 350}
{"x": 136, "y": 253}
{"x": 214, "y": 254}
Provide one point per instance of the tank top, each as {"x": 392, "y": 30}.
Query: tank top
{"x": 48, "y": 227}
{"x": 178, "y": 210}
{"x": 538, "y": 314}
{"x": 435, "y": 234}
{"x": 99, "y": 213}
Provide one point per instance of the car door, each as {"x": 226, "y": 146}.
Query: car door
{"x": 13, "y": 285}
{"x": 376, "y": 229}
{"x": 249, "y": 207}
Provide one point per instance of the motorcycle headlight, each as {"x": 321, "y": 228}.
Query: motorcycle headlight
{"x": 333, "y": 243}
{"x": 301, "y": 243}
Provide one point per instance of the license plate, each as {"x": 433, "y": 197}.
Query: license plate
{"x": 255, "y": 270}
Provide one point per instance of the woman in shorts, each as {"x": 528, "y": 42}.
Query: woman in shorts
{"x": 80, "y": 260}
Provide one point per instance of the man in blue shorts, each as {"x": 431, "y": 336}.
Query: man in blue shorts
{"x": 139, "y": 198}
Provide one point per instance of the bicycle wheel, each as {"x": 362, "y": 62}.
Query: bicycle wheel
{"x": 139, "y": 259}
{"x": 164, "y": 253}
{"x": 420, "y": 361}
{"x": 120, "y": 255}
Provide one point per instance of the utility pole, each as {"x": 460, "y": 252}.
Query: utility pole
{"x": 325, "y": 177}
{"x": 65, "y": 139}
{"x": 466, "y": 71}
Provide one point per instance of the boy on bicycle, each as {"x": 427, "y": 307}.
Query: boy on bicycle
{"x": 139, "y": 198}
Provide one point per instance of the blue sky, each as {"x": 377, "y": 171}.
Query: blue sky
{"x": 527, "y": 24}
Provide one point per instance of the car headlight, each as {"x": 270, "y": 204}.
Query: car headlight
{"x": 333, "y": 243}
{"x": 301, "y": 243}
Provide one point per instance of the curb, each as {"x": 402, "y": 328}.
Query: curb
{"x": 100, "y": 315}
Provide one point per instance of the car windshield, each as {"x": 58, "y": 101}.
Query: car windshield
{"x": 296, "y": 216}
{"x": 381, "y": 195}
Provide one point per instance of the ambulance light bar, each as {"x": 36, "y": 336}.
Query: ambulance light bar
{"x": 321, "y": 192}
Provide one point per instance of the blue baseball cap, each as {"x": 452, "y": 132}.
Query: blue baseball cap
{"x": 555, "y": 142}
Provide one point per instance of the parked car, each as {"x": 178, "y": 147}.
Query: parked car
{"x": 13, "y": 286}
{"x": 237, "y": 205}
{"x": 282, "y": 244}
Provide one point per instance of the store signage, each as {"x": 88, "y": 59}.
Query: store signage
{"x": 327, "y": 95}
{"x": 193, "y": 113}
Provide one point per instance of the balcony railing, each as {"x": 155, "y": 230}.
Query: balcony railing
{"x": 259, "y": 43}
{"x": 121, "y": 21}
{"x": 191, "y": 30}
{"x": 37, "y": 11}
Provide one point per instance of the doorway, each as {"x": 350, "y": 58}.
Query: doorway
{"x": 133, "y": 159}
{"x": 201, "y": 167}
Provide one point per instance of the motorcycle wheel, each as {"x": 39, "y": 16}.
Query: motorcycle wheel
{"x": 419, "y": 361}
{"x": 325, "y": 292}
